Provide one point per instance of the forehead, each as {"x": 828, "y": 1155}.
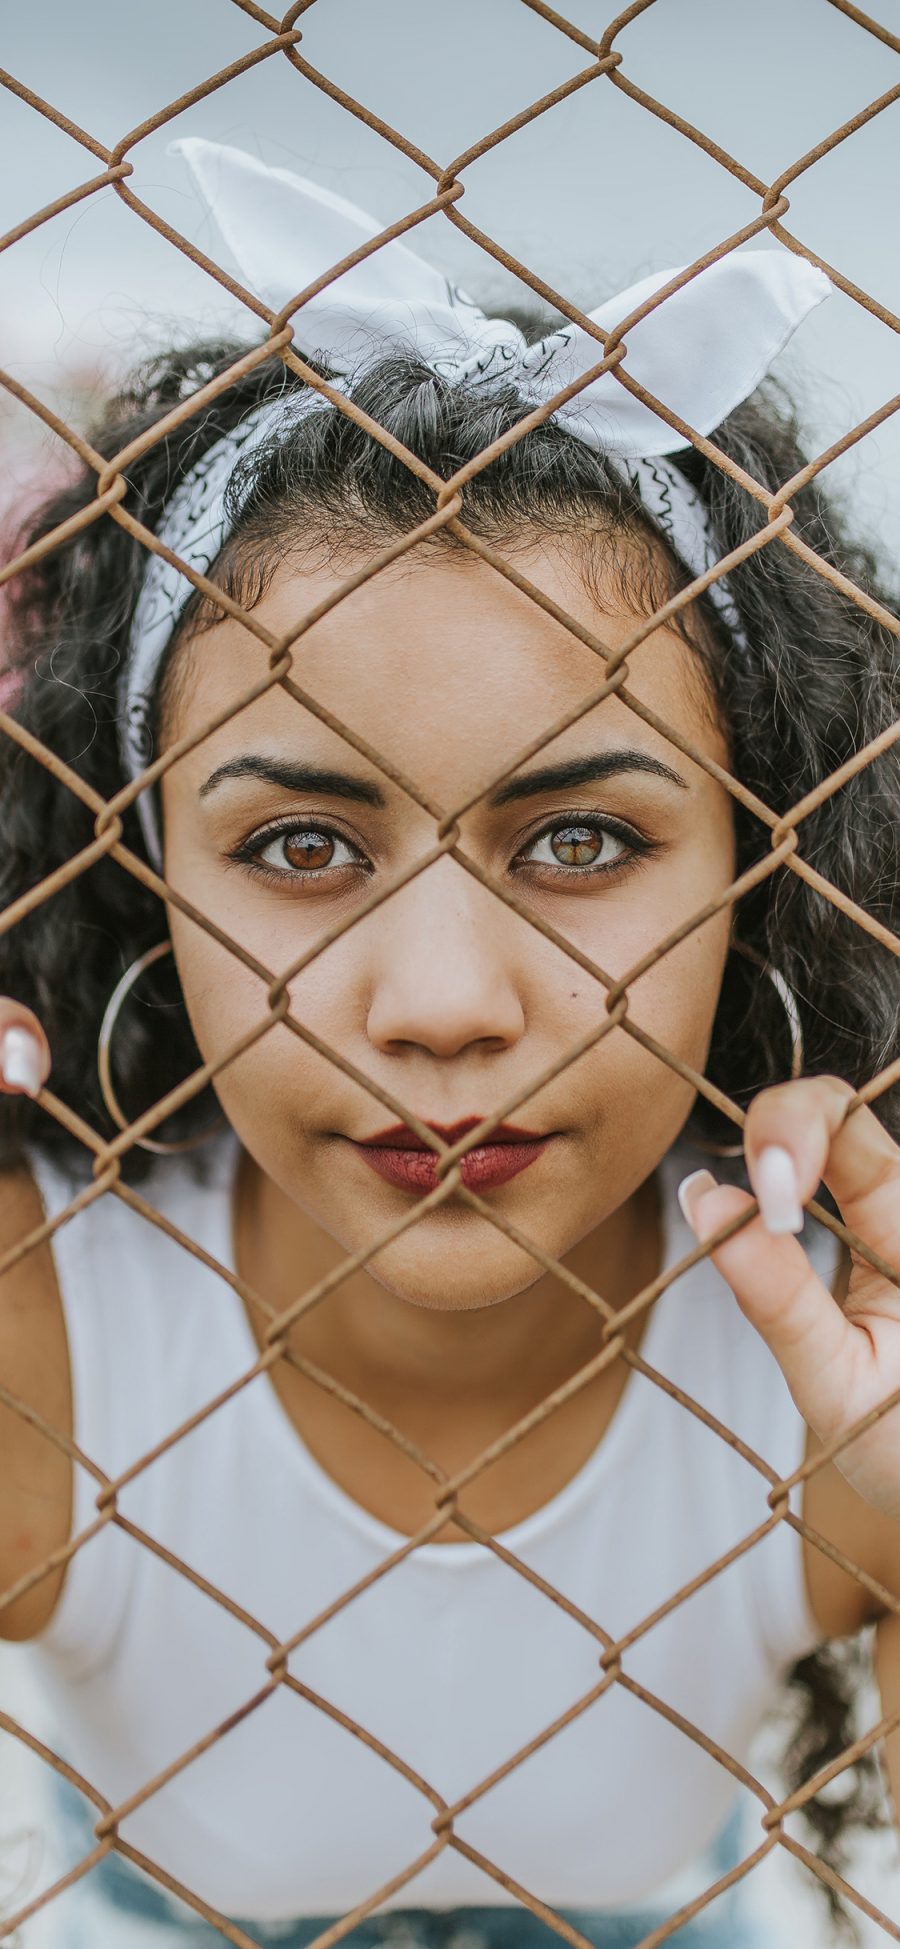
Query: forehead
{"x": 442, "y": 665}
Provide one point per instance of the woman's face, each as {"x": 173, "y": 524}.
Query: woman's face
{"x": 443, "y": 996}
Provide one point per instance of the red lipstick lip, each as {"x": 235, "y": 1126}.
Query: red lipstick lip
{"x": 398, "y": 1157}
{"x": 399, "y": 1137}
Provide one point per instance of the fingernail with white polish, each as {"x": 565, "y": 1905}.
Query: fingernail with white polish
{"x": 693, "y": 1187}
{"x": 778, "y": 1193}
{"x": 21, "y": 1060}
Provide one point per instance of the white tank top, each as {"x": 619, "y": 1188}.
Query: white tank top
{"x": 452, "y": 1660}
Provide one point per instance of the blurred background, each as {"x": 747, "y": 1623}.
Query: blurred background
{"x": 592, "y": 195}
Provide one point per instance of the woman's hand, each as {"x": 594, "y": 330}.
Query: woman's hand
{"x": 839, "y": 1362}
{"x": 24, "y": 1050}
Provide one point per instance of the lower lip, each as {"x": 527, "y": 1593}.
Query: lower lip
{"x": 481, "y": 1169}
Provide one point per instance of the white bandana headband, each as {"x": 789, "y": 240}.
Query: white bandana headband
{"x": 702, "y": 352}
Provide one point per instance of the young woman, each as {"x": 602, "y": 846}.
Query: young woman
{"x": 292, "y": 1793}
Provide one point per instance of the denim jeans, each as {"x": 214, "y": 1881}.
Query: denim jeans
{"x": 115, "y": 1891}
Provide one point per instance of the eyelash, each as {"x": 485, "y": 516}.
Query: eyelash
{"x": 639, "y": 850}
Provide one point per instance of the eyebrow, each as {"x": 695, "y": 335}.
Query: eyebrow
{"x": 297, "y": 777}
{"x": 583, "y": 771}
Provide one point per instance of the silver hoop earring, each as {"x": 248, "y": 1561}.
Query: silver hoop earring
{"x": 103, "y": 1043}
{"x": 789, "y": 1003}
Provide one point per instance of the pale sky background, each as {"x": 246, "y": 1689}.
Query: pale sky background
{"x": 593, "y": 195}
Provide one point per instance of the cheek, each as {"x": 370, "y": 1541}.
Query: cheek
{"x": 633, "y": 1102}
{"x": 675, "y": 999}
{"x": 227, "y": 1001}
{"x": 673, "y": 995}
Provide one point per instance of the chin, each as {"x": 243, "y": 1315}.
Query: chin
{"x": 461, "y": 1288}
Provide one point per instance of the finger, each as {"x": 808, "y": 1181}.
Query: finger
{"x": 818, "y": 1350}
{"x": 25, "y": 1059}
{"x": 857, "y": 1159}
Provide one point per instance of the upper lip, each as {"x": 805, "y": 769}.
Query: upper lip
{"x": 398, "y": 1137}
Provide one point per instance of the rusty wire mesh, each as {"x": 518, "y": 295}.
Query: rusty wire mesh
{"x": 605, "y": 65}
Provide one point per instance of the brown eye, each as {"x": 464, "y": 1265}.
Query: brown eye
{"x": 578, "y": 848}
{"x": 308, "y": 849}
{"x": 576, "y": 845}
{"x": 297, "y": 853}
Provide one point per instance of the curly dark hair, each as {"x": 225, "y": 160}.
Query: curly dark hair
{"x": 818, "y": 679}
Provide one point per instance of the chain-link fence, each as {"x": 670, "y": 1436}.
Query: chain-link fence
{"x": 599, "y": 63}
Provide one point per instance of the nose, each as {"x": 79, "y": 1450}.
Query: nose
{"x": 446, "y": 967}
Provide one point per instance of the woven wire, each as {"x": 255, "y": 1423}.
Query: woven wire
{"x": 605, "y": 67}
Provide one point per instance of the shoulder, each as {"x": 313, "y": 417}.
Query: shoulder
{"x": 37, "y": 1476}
